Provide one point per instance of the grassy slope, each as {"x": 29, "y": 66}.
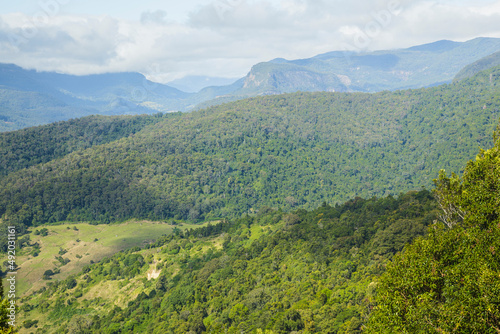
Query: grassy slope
{"x": 102, "y": 296}
{"x": 111, "y": 239}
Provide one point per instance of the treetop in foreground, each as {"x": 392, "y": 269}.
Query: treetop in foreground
{"x": 449, "y": 281}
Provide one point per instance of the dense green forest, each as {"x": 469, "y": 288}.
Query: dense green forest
{"x": 286, "y": 151}
{"x": 308, "y": 271}
{"x": 32, "y": 146}
{"x": 449, "y": 281}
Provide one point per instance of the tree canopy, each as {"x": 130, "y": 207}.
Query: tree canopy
{"x": 289, "y": 151}
{"x": 449, "y": 281}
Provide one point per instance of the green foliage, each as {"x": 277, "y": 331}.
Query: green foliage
{"x": 5, "y": 327}
{"x": 449, "y": 281}
{"x": 43, "y": 232}
{"x": 48, "y": 273}
{"x": 62, "y": 261}
{"x": 288, "y": 151}
{"x": 36, "y": 145}
{"x": 309, "y": 271}
{"x": 446, "y": 282}
{"x": 30, "y": 323}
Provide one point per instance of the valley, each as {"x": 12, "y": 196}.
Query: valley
{"x": 365, "y": 209}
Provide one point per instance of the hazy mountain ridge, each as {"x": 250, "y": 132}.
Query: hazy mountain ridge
{"x": 414, "y": 67}
{"x": 53, "y": 97}
{"x": 478, "y": 66}
{"x": 196, "y": 83}
{"x": 32, "y": 98}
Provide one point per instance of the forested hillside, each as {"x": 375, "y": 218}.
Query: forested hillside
{"x": 276, "y": 272}
{"x": 478, "y": 66}
{"x": 32, "y": 146}
{"x": 287, "y": 151}
{"x": 329, "y": 270}
{"x": 449, "y": 281}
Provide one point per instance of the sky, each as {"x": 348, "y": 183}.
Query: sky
{"x": 167, "y": 40}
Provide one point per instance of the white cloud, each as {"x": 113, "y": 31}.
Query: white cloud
{"x": 227, "y": 37}
{"x": 156, "y": 17}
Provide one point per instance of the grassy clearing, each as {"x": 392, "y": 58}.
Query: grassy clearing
{"x": 102, "y": 295}
{"x": 82, "y": 244}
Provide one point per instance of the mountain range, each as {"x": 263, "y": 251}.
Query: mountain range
{"x": 29, "y": 98}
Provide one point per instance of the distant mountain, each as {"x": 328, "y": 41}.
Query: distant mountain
{"x": 416, "y": 67}
{"x": 132, "y": 86}
{"x": 195, "y": 83}
{"x": 478, "y": 66}
{"x": 30, "y": 98}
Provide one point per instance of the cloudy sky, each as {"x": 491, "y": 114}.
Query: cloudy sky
{"x": 167, "y": 39}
